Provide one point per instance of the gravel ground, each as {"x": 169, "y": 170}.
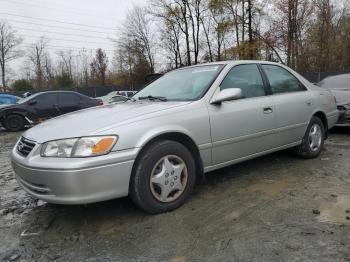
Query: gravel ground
{"x": 274, "y": 208}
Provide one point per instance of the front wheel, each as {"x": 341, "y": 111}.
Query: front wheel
{"x": 164, "y": 177}
{"x": 14, "y": 123}
{"x": 313, "y": 139}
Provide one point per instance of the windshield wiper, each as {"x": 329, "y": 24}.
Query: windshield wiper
{"x": 160, "y": 98}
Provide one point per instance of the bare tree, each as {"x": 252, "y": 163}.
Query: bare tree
{"x": 137, "y": 27}
{"x": 66, "y": 58}
{"x": 99, "y": 67}
{"x": 8, "y": 49}
{"x": 36, "y": 56}
{"x": 222, "y": 25}
{"x": 83, "y": 63}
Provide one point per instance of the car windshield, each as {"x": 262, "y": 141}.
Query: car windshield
{"x": 187, "y": 84}
{"x": 24, "y": 100}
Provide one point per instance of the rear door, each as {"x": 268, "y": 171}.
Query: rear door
{"x": 292, "y": 104}
{"x": 243, "y": 127}
{"x": 69, "y": 102}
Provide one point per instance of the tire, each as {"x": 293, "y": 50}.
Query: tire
{"x": 14, "y": 123}
{"x": 152, "y": 173}
{"x": 312, "y": 146}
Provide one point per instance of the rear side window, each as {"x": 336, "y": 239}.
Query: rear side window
{"x": 45, "y": 100}
{"x": 247, "y": 78}
{"x": 69, "y": 99}
{"x": 282, "y": 81}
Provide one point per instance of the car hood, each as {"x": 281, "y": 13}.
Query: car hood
{"x": 342, "y": 96}
{"x": 94, "y": 120}
{"x": 6, "y": 106}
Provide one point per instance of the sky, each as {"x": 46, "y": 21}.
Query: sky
{"x": 68, "y": 24}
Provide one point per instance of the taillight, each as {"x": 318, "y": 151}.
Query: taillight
{"x": 335, "y": 99}
{"x": 100, "y": 102}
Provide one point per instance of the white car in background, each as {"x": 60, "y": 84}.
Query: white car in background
{"x": 113, "y": 97}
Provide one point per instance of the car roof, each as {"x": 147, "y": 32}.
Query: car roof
{"x": 233, "y": 62}
{"x": 55, "y": 92}
{"x": 336, "y": 82}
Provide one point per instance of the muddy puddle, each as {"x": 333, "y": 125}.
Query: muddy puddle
{"x": 270, "y": 188}
{"x": 337, "y": 211}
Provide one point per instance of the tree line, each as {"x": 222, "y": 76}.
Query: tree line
{"x": 307, "y": 35}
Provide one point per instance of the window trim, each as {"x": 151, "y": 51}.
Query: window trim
{"x": 265, "y": 86}
{"x": 269, "y": 85}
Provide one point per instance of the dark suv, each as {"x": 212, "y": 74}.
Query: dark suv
{"x": 41, "y": 106}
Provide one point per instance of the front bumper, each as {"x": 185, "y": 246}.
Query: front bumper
{"x": 344, "y": 116}
{"x": 79, "y": 181}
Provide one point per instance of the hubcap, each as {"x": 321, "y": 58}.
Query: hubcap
{"x": 169, "y": 178}
{"x": 315, "y": 137}
{"x": 13, "y": 123}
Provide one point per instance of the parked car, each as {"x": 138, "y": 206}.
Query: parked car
{"x": 6, "y": 99}
{"x": 118, "y": 99}
{"x": 156, "y": 147}
{"x": 126, "y": 93}
{"x": 42, "y": 106}
{"x": 113, "y": 97}
{"x": 340, "y": 87}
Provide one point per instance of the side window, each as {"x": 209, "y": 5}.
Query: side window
{"x": 46, "y": 100}
{"x": 68, "y": 99}
{"x": 282, "y": 81}
{"x": 247, "y": 78}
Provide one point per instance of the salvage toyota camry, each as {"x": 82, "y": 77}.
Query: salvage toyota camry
{"x": 158, "y": 145}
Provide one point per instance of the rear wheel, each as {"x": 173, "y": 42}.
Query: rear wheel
{"x": 14, "y": 123}
{"x": 313, "y": 140}
{"x": 164, "y": 177}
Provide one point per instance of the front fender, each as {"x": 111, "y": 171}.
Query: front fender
{"x": 158, "y": 131}
{"x": 195, "y": 125}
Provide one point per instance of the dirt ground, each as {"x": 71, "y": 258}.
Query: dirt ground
{"x": 274, "y": 208}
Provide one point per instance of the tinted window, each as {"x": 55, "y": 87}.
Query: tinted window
{"x": 281, "y": 81}
{"x": 247, "y": 78}
{"x": 69, "y": 99}
{"x": 45, "y": 100}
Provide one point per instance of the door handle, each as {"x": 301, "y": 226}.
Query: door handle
{"x": 309, "y": 103}
{"x": 267, "y": 110}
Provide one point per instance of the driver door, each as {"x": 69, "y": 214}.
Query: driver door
{"x": 244, "y": 127}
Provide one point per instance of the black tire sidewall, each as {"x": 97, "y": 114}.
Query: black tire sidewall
{"x": 306, "y": 146}
{"x": 20, "y": 125}
{"x": 141, "y": 191}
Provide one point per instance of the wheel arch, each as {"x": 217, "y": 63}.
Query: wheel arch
{"x": 21, "y": 113}
{"x": 321, "y": 115}
{"x": 181, "y": 138}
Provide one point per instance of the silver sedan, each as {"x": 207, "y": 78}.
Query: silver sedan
{"x": 157, "y": 146}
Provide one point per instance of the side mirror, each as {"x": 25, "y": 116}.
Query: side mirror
{"x": 227, "y": 95}
{"x": 32, "y": 102}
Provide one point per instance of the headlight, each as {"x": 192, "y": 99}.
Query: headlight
{"x": 79, "y": 147}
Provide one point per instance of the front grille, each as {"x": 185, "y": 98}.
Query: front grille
{"x": 341, "y": 108}
{"x": 25, "y": 146}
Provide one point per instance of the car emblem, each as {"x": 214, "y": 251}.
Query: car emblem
{"x": 20, "y": 146}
